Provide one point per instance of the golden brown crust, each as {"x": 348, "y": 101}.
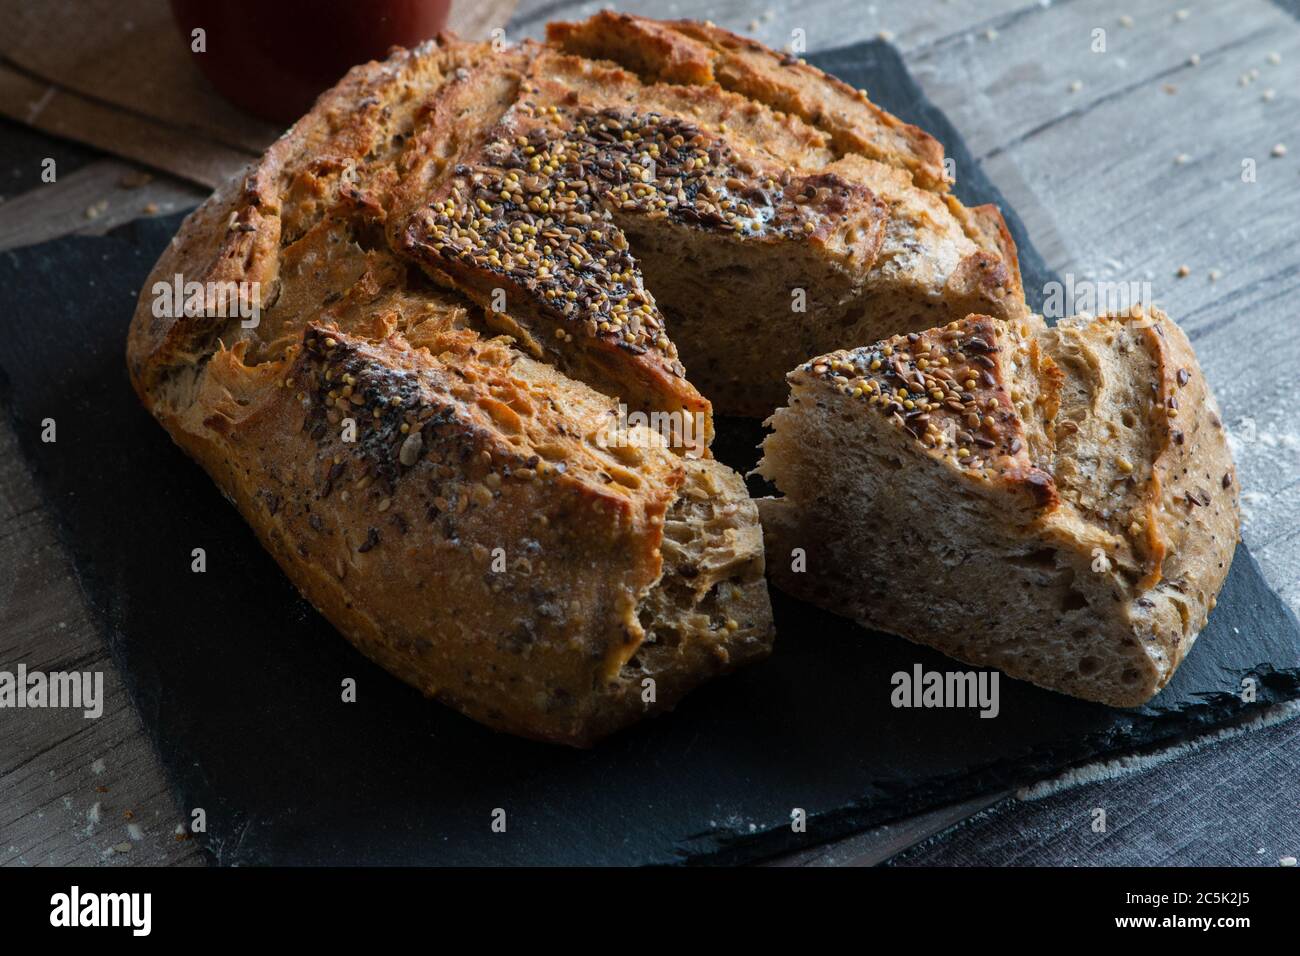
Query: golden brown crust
{"x": 991, "y": 276}
{"x": 237, "y": 234}
{"x": 690, "y": 52}
{"x": 1171, "y": 522}
{"x": 544, "y": 166}
{"x": 394, "y": 536}
{"x": 916, "y": 258}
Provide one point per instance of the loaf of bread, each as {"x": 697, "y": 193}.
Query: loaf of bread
{"x": 460, "y": 416}
{"x": 1059, "y": 503}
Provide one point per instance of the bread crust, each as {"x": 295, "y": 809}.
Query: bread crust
{"x": 703, "y": 54}
{"x": 1178, "y": 530}
{"x": 934, "y": 259}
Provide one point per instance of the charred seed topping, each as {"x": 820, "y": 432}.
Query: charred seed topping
{"x": 541, "y": 209}
{"x": 401, "y": 429}
{"x": 937, "y": 385}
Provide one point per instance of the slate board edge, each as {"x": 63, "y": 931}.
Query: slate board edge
{"x": 1218, "y": 713}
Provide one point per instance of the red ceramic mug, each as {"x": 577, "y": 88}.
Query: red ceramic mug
{"x": 274, "y": 58}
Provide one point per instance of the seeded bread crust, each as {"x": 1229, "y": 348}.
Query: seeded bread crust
{"x": 1059, "y": 503}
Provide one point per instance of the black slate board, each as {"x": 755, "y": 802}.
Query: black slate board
{"x": 237, "y": 679}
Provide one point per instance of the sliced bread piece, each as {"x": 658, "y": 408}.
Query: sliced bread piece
{"x": 1059, "y": 503}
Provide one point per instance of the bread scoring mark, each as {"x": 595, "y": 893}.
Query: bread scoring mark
{"x": 401, "y": 427}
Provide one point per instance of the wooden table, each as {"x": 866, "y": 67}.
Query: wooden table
{"x": 1125, "y": 164}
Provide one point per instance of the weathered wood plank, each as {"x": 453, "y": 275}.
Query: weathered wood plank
{"x": 90, "y": 201}
{"x": 53, "y": 762}
{"x": 1008, "y": 87}
{"x": 825, "y": 23}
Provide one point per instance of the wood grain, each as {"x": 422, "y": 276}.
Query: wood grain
{"x": 1233, "y": 805}
{"x": 148, "y": 142}
{"x": 90, "y": 201}
{"x": 71, "y": 786}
